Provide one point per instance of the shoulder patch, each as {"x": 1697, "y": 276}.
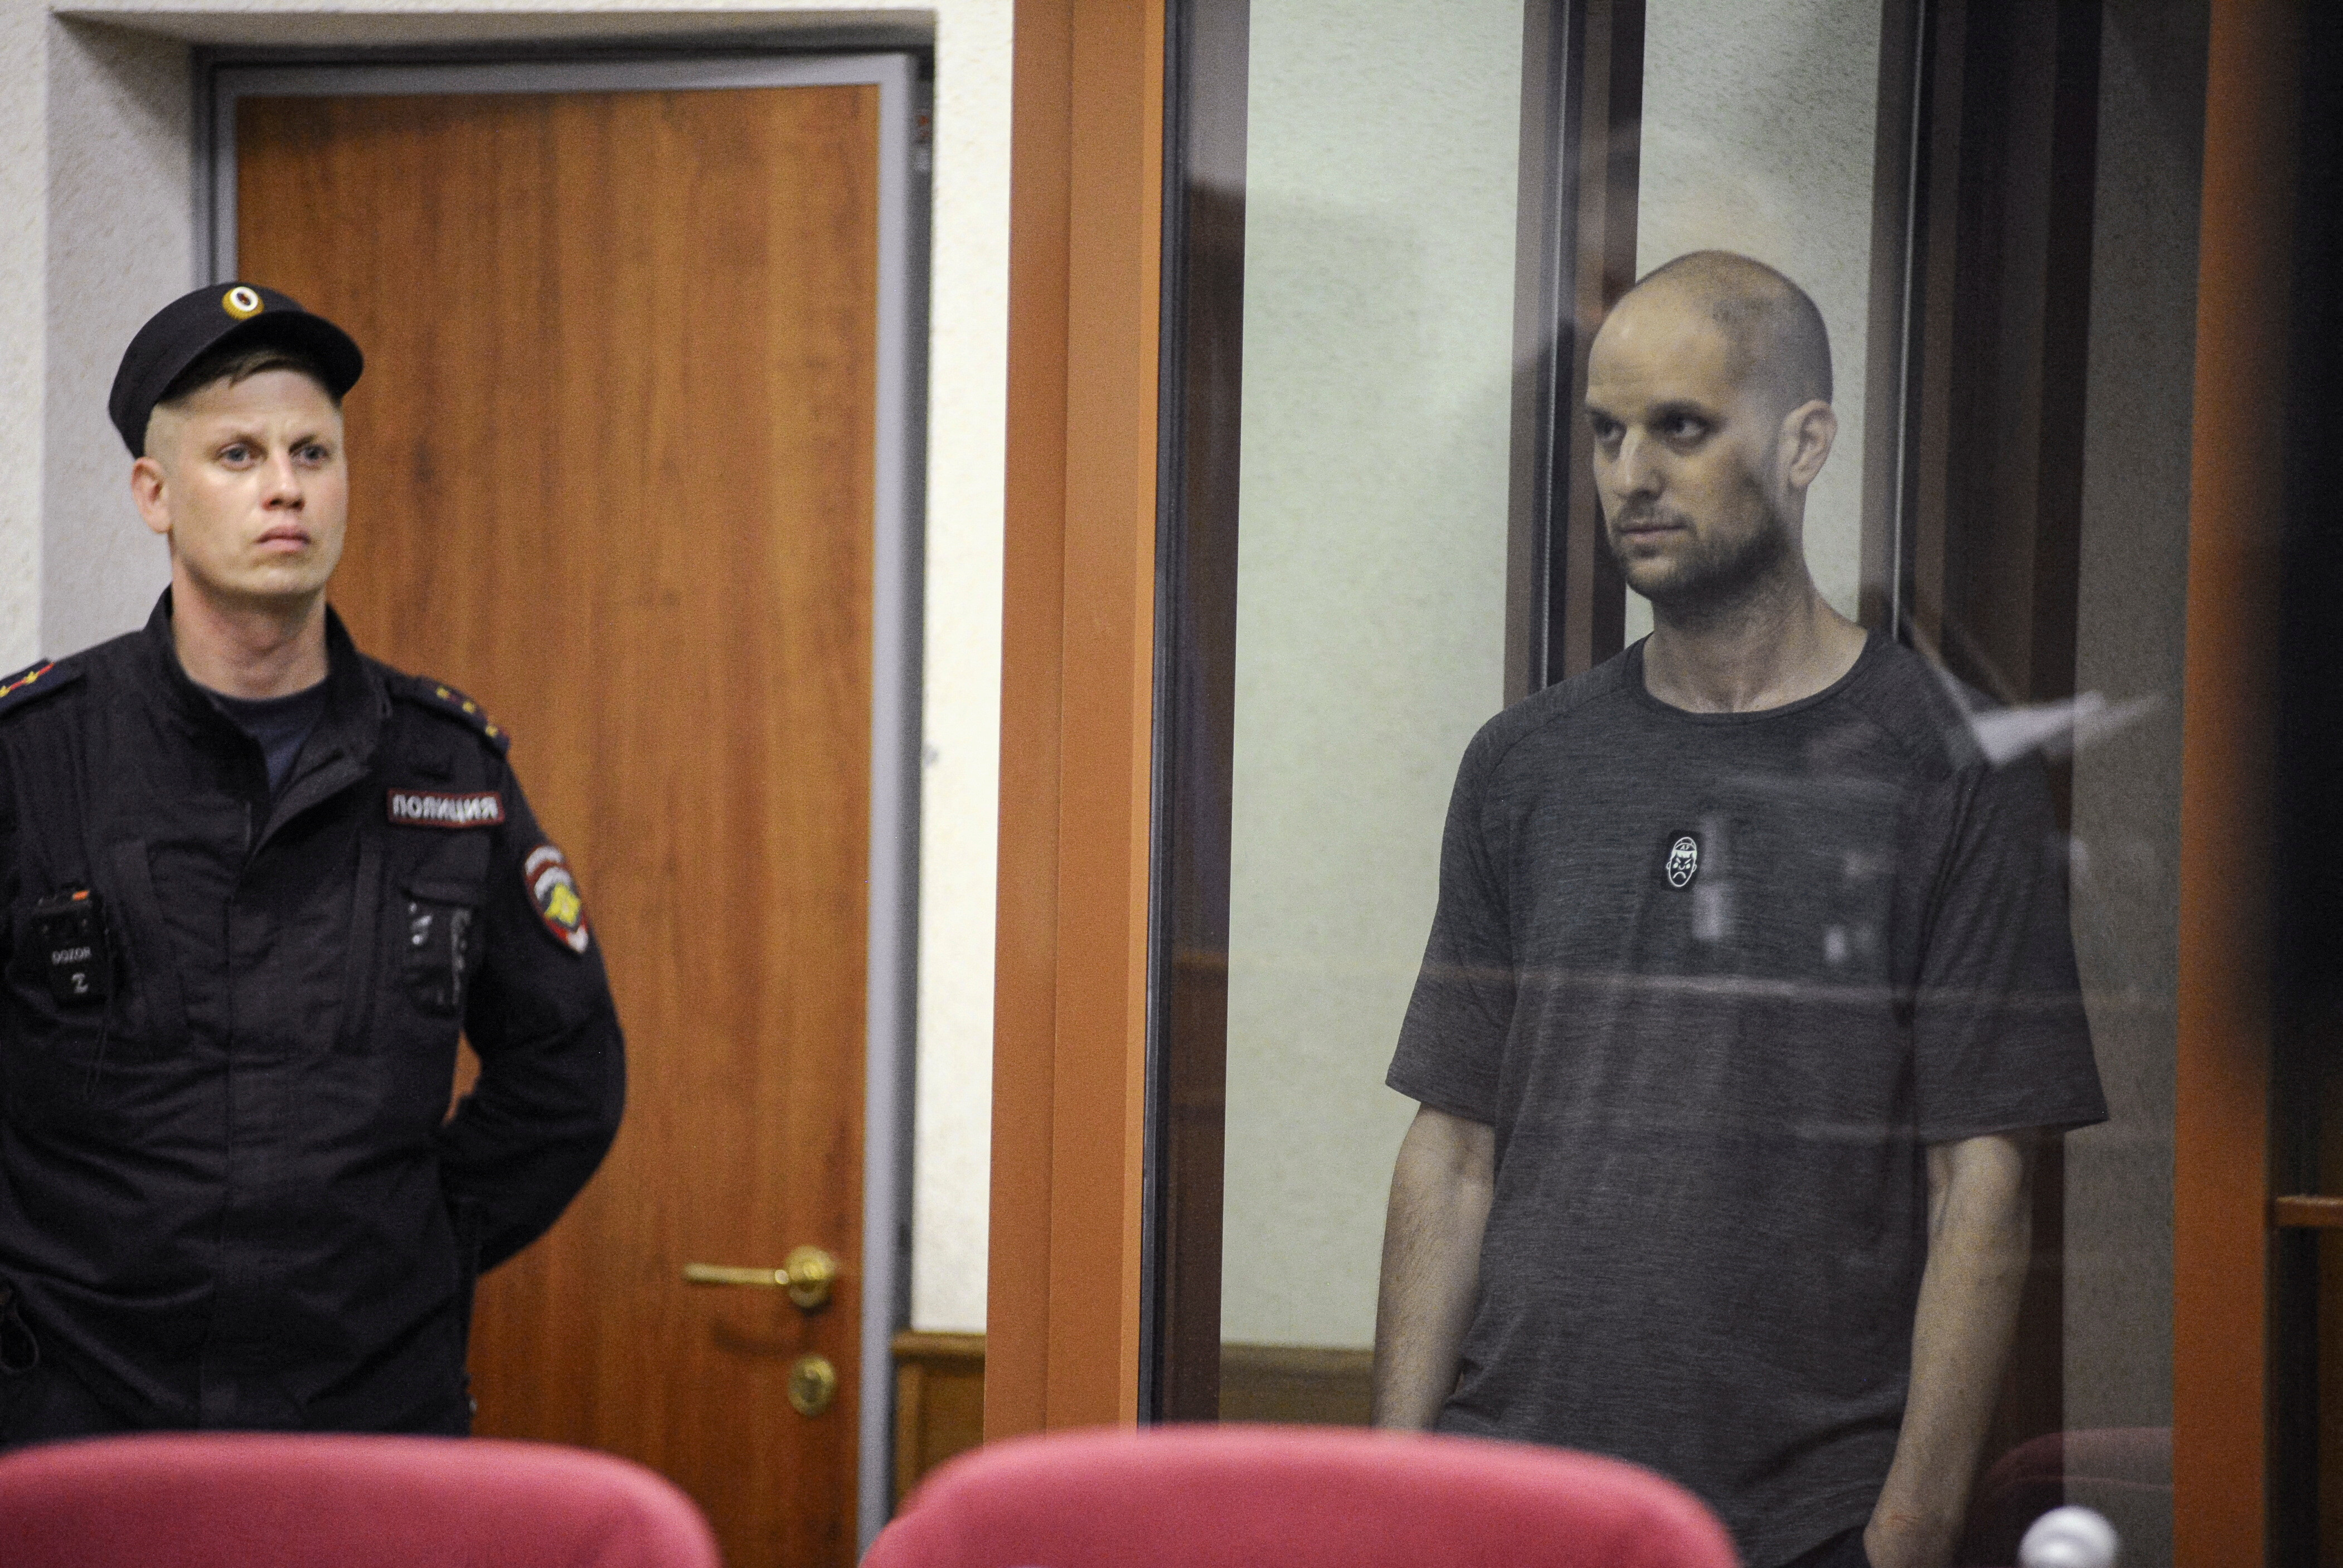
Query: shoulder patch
{"x": 441, "y": 697}
{"x": 554, "y": 892}
{"x": 31, "y": 684}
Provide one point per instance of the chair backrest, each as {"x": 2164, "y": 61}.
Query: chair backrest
{"x": 208, "y": 1500}
{"x": 1238, "y": 1496}
{"x": 2124, "y": 1474}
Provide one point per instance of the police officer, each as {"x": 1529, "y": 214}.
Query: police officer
{"x": 255, "y": 883}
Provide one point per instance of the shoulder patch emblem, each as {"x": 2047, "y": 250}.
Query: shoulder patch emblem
{"x": 36, "y": 681}
{"x": 434, "y": 808}
{"x": 1682, "y": 862}
{"x": 446, "y": 698}
{"x": 554, "y": 892}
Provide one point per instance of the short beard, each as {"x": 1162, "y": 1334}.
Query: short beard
{"x": 1720, "y": 576}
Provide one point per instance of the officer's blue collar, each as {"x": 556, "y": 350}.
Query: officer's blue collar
{"x": 356, "y": 702}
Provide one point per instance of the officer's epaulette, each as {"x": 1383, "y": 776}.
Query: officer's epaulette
{"x": 29, "y": 685}
{"x": 441, "y": 697}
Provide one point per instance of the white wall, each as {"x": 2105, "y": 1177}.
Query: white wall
{"x": 97, "y": 178}
{"x": 1759, "y": 120}
{"x": 1384, "y": 145}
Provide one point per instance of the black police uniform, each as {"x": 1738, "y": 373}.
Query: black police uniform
{"x": 230, "y": 1193}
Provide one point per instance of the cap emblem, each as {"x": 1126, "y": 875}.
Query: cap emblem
{"x": 243, "y": 302}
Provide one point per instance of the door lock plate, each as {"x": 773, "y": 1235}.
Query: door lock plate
{"x": 813, "y": 1385}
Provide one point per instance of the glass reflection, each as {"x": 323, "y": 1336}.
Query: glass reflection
{"x": 2004, "y": 501}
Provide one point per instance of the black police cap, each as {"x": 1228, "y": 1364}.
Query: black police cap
{"x": 221, "y": 315}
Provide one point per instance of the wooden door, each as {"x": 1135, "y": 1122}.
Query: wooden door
{"x": 612, "y": 475}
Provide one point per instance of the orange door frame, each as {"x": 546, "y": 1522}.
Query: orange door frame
{"x": 1070, "y": 1011}
{"x": 2221, "y": 1201}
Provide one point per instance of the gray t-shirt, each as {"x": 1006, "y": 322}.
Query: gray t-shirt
{"x": 1716, "y": 981}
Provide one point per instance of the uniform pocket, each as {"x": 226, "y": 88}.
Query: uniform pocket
{"x": 157, "y": 1011}
{"x": 88, "y": 985}
{"x": 58, "y": 1027}
{"x": 439, "y": 943}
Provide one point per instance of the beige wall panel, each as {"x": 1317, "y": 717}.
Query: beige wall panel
{"x": 1379, "y": 297}
{"x": 1758, "y": 134}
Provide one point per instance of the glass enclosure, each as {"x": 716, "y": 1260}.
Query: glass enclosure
{"x": 1406, "y": 229}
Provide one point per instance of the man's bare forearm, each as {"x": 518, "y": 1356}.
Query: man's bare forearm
{"x": 1441, "y": 1186}
{"x": 1980, "y": 1234}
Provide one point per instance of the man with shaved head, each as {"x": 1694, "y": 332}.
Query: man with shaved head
{"x": 1749, "y": 995}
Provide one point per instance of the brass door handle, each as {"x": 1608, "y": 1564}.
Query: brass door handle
{"x": 807, "y": 1276}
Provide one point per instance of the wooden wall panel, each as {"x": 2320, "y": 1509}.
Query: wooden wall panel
{"x": 1077, "y": 709}
{"x": 938, "y": 1404}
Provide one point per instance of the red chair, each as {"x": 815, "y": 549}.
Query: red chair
{"x": 1299, "y": 1497}
{"x": 2123, "y": 1472}
{"x": 213, "y": 1500}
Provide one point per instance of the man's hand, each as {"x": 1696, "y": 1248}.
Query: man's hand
{"x": 1440, "y": 1194}
{"x": 1980, "y": 1237}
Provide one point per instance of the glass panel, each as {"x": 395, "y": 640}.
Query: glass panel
{"x": 1996, "y": 227}
{"x": 1380, "y": 190}
{"x": 1759, "y": 136}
